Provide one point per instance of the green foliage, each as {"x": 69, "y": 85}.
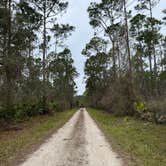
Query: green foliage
{"x": 61, "y": 32}
{"x": 26, "y": 91}
{"x": 22, "y": 111}
{"x": 63, "y": 73}
{"x": 153, "y": 110}
{"x": 114, "y": 78}
{"x": 157, "y": 107}
{"x": 95, "y": 46}
{"x": 56, "y": 106}
{"x": 7, "y": 114}
{"x": 142, "y": 111}
{"x": 140, "y": 106}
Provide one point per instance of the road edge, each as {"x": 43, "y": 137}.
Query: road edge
{"x": 31, "y": 148}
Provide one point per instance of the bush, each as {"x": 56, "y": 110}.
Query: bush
{"x": 7, "y": 117}
{"x": 141, "y": 111}
{"x": 35, "y": 109}
{"x": 140, "y": 106}
{"x": 119, "y": 98}
{"x": 7, "y": 114}
{"x": 59, "y": 105}
{"x": 21, "y": 111}
{"x": 158, "y": 108}
{"x": 154, "y": 110}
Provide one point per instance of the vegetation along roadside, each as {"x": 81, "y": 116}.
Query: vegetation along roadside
{"x": 143, "y": 142}
{"x": 14, "y": 144}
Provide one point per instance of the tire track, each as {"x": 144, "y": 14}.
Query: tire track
{"x": 75, "y": 152}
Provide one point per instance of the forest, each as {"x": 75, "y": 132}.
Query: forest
{"x": 125, "y": 64}
{"x": 36, "y": 66}
{"x": 126, "y": 60}
{"x": 118, "y": 47}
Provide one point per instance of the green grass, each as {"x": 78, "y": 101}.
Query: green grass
{"x": 34, "y": 131}
{"x": 143, "y": 142}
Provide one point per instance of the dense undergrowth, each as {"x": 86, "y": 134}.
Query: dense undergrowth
{"x": 21, "y": 112}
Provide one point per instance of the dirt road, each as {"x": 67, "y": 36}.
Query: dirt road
{"x": 78, "y": 143}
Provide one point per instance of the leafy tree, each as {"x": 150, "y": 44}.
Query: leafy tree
{"x": 31, "y": 20}
{"x": 97, "y": 73}
{"x": 105, "y": 15}
{"x": 151, "y": 32}
{"x": 96, "y": 45}
{"x": 128, "y": 44}
{"x": 136, "y": 29}
{"x": 15, "y": 36}
{"x": 5, "y": 10}
{"x": 32, "y": 85}
{"x": 22, "y": 73}
{"x": 61, "y": 32}
{"x": 63, "y": 73}
{"x": 14, "y": 42}
{"x": 49, "y": 9}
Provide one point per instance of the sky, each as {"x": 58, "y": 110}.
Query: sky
{"x": 77, "y": 16}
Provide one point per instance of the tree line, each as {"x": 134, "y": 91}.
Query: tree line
{"x": 126, "y": 59}
{"x": 31, "y": 84}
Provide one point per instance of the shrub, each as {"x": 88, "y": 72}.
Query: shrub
{"x": 153, "y": 110}
{"x": 158, "y": 108}
{"x": 7, "y": 114}
{"x": 140, "y": 106}
{"x": 119, "y": 98}
{"x": 20, "y": 112}
{"x": 59, "y": 106}
{"x": 35, "y": 109}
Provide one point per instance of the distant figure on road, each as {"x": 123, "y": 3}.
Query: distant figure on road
{"x": 82, "y": 107}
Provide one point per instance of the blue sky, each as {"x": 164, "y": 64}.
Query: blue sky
{"x": 77, "y": 16}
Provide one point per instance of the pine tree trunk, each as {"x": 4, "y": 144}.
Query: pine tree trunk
{"x": 131, "y": 95}
{"x": 8, "y": 59}
{"x": 119, "y": 58}
{"x": 154, "y": 53}
{"x": 114, "y": 59}
{"x": 128, "y": 42}
{"x": 142, "y": 77}
{"x": 44, "y": 58}
{"x": 151, "y": 74}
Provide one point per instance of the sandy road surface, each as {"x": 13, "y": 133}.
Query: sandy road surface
{"x": 78, "y": 143}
